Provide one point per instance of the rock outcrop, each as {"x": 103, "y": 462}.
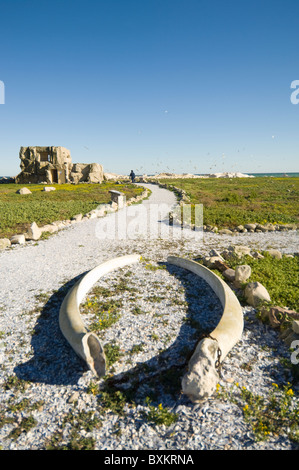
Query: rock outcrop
{"x": 54, "y": 165}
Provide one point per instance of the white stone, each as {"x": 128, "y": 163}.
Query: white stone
{"x": 242, "y": 274}
{"x": 24, "y": 191}
{"x": 77, "y": 218}
{"x": 34, "y": 232}
{"x": 275, "y": 253}
{"x": 295, "y": 326}
{"x": 49, "y": 188}
{"x": 257, "y": 255}
{"x": 255, "y": 293}
{"x": 229, "y": 274}
{"x": 210, "y": 262}
{"x": 4, "y": 243}
{"x": 49, "y": 228}
{"x": 201, "y": 379}
{"x": 250, "y": 226}
{"x": 239, "y": 250}
{"x": 18, "y": 239}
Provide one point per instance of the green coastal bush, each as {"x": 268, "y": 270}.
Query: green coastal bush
{"x": 279, "y": 276}
{"x": 228, "y": 202}
{"x": 17, "y": 211}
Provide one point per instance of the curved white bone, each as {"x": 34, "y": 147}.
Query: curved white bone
{"x": 201, "y": 379}
{"x": 86, "y": 344}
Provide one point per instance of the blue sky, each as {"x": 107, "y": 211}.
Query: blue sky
{"x": 159, "y": 85}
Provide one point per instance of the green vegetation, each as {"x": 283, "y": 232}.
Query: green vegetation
{"x": 275, "y": 414}
{"x": 279, "y": 276}
{"x": 112, "y": 353}
{"x": 159, "y": 415}
{"x": 79, "y": 421}
{"x": 106, "y": 312}
{"x": 231, "y": 202}
{"x": 18, "y": 212}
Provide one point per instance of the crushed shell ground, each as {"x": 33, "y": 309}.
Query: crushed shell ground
{"x": 38, "y": 367}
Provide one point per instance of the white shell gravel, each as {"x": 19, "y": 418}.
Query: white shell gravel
{"x": 33, "y": 349}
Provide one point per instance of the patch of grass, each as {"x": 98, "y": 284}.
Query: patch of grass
{"x": 137, "y": 348}
{"x": 152, "y": 267}
{"x": 231, "y": 202}
{"x": 113, "y": 400}
{"x": 25, "y": 425}
{"x": 17, "y": 211}
{"x": 279, "y": 276}
{"x": 79, "y": 421}
{"x": 137, "y": 310}
{"x": 276, "y": 414}
{"x": 16, "y": 384}
{"x": 106, "y": 312}
{"x": 159, "y": 415}
{"x": 112, "y": 353}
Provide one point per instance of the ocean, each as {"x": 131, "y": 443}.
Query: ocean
{"x": 274, "y": 175}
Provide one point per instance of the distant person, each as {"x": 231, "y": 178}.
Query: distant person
{"x": 132, "y": 176}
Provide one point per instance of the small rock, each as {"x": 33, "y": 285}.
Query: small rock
{"x": 250, "y": 226}
{"x": 74, "y": 397}
{"x": 4, "y": 243}
{"x": 24, "y": 191}
{"x": 18, "y": 239}
{"x": 229, "y": 274}
{"x": 77, "y": 218}
{"x": 221, "y": 265}
{"x": 243, "y": 273}
{"x": 257, "y": 255}
{"x": 225, "y": 231}
{"x": 215, "y": 253}
{"x": 275, "y": 253}
{"x": 295, "y": 326}
{"x": 49, "y": 188}
{"x": 240, "y": 250}
{"x": 255, "y": 293}
{"x": 34, "y": 232}
{"x": 49, "y": 228}
{"x": 237, "y": 251}
{"x": 211, "y": 262}
{"x": 261, "y": 228}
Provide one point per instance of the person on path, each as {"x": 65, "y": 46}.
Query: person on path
{"x": 132, "y": 176}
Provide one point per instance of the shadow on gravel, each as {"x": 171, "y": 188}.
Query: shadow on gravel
{"x": 160, "y": 377}
{"x": 54, "y": 361}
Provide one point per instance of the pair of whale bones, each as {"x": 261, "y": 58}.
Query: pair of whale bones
{"x": 202, "y": 375}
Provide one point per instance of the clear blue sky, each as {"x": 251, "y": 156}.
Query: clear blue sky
{"x": 175, "y": 85}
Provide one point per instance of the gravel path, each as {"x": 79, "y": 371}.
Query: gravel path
{"x": 47, "y": 388}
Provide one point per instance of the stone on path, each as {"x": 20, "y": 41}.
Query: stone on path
{"x": 4, "y": 243}
{"x": 34, "y": 232}
{"x": 18, "y": 239}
